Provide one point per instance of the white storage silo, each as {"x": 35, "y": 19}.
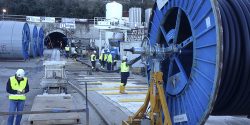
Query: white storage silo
{"x": 114, "y": 13}
{"x": 147, "y": 15}
{"x": 113, "y": 10}
{"x": 135, "y": 17}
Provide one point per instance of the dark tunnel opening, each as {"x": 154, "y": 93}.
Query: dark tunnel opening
{"x": 55, "y": 40}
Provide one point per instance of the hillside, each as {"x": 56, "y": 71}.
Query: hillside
{"x": 66, "y": 8}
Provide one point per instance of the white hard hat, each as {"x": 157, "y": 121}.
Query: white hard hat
{"x": 94, "y": 51}
{"x": 124, "y": 57}
{"x": 103, "y": 51}
{"x": 20, "y": 73}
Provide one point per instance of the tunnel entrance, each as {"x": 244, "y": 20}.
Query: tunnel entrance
{"x": 55, "y": 40}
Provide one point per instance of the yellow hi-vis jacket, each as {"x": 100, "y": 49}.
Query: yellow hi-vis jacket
{"x": 92, "y": 57}
{"x": 19, "y": 87}
{"x": 67, "y": 48}
{"x": 124, "y": 67}
{"x": 100, "y": 57}
{"x": 105, "y": 57}
{"x": 109, "y": 60}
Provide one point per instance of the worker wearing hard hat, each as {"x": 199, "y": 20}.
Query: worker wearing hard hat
{"x": 17, "y": 86}
{"x": 124, "y": 74}
{"x": 101, "y": 59}
{"x": 93, "y": 59}
{"x": 109, "y": 61}
{"x": 61, "y": 45}
{"x": 67, "y": 50}
{"x": 148, "y": 72}
{"x": 114, "y": 62}
{"x": 105, "y": 57}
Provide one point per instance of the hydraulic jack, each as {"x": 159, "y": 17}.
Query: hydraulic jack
{"x": 158, "y": 106}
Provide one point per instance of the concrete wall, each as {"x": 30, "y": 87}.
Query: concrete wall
{"x": 81, "y": 31}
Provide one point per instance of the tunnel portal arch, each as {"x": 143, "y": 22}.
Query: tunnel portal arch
{"x": 55, "y": 39}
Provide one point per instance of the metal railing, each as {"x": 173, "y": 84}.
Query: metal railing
{"x": 102, "y": 21}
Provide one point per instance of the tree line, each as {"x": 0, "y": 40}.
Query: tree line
{"x": 65, "y": 8}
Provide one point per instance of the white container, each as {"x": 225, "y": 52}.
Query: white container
{"x": 54, "y": 74}
{"x": 113, "y": 10}
{"x": 119, "y": 36}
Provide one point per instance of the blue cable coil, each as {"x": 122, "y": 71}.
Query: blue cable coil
{"x": 25, "y": 41}
{"x": 40, "y": 42}
{"x": 210, "y": 74}
{"x": 34, "y": 42}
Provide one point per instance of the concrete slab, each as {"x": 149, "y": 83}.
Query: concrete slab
{"x": 115, "y": 109}
{"x": 52, "y": 102}
{"x": 115, "y": 88}
{"x": 228, "y": 120}
{"x": 131, "y": 100}
{"x": 113, "y": 114}
{"x": 117, "y": 93}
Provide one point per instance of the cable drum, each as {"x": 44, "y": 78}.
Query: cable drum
{"x": 33, "y": 42}
{"x": 40, "y": 41}
{"x": 210, "y": 72}
{"x": 14, "y": 40}
{"x": 233, "y": 95}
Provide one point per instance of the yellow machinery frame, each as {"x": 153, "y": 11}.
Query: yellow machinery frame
{"x": 158, "y": 102}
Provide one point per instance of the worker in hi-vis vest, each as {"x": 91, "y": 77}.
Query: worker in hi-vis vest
{"x": 114, "y": 62}
{"x": 104, "y": 59}
{"x": 124, "y": 74}
{"x": 101, "y": 59}
{"x": 93, "y": 59}
{"x": 67, "y": 50}
{"x": 17, "y": 86}
{"x": 109, "y": 61}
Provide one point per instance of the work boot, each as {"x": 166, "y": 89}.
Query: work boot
{"x": 123, "y": 90}
{"x": 121, "y": 87}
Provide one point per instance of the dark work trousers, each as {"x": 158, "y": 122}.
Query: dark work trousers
{"x": 104, "y": 63}
{"x": 93, "y": 63}
{"x": 113, "y": 65}
{"x": 67, "y": 54}
{"x": 100, "y": 62}
{"x": 109, "y": 66}
{"x": 124, "y": 77}
{"x": 15, "y": 105}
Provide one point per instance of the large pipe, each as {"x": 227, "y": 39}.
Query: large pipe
{"x": 14, "y": 40}
{"x": 33, "y": 42}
